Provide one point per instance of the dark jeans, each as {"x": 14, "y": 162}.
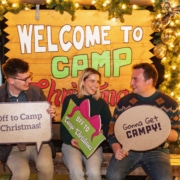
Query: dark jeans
{"x": 155, "y": 163}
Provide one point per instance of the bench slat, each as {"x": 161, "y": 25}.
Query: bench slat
{"x": 59, "y": 167}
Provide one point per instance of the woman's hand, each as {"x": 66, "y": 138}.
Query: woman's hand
{"x": 74, "y": 143}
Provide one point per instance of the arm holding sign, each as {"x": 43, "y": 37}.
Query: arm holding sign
{"x": 118, "y": 151}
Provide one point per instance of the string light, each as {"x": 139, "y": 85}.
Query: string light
{"x": 4, "y": 2}
{"x": 76, "y": 5}
{"x": 172, "y": 93}
{"x": 169, "y": 20}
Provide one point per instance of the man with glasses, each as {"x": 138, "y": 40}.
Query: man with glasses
{"x": 17, "y": 88}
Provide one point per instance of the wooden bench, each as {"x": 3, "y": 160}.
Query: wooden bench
{"x": 174, "y": 158}
{"x": 59, "y": 167}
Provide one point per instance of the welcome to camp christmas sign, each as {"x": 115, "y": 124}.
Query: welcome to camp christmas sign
{"x": 58, "y": 49}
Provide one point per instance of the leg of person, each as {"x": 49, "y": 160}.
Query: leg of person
{"x": 72, "y": 158}
{"x": 43, "y": 161}
{"x": 157, "y": 165}
{"x": 93, "y": 165}
{"x": 118, "y": 169}
{"x": 18, "y": 163}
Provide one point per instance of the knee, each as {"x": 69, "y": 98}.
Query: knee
{"x": 93, "y": 173}
{"x": 21, "y": 174}
{"x": 46, "y": 167}
{"x": 114, "y": 176}
{"x": 76, "y": 173}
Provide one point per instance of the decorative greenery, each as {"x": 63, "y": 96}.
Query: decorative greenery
{"x": 167, "y": 47}
{"x": 62, "y": 6}
{"x": 58, "y": 5}
{"x": 115, "y": 8}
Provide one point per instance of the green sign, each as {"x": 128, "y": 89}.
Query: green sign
{"x": 82, "y": 127}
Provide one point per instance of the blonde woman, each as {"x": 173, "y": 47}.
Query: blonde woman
{"x": 88, "y": 88}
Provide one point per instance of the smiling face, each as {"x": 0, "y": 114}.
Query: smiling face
{"x": 91, "y": 84}
{"x": 19, "y": 83}
{"x": 140, "y": 85}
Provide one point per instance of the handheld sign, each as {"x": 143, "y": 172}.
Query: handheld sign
{"x": 142, "y": 128}
{"x": 26, "y": 122}
{"x": 83, "y": 127}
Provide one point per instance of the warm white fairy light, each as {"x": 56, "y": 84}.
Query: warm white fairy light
{"x": 4, "y": 2}
{"x": 104, "y": 4}
{"x": 163, "y": 59}
{"x": 159, "y": 15}
{"x": 114, "y": 19}
{"x": 172, "y": 24}
{"x": 134, "y": 6}
{"x": 48, "y": 1}
{"x": 26, "y": 8}
{"x": 76, "y": 5}
{"x": 172, "y": 93}
{"x": 124, "y": 6}
{"x": 166, "y": 76}
{"x": 15, "y": 5}
{"x": 93, "y": 2}
{"x": 171, "y": 45}
{"x": 178, "y": 33}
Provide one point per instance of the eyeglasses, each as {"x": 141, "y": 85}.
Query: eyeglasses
{"x": 25, "y": 79}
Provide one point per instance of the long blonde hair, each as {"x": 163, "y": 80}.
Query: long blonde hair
{"x": 84, "y": 75}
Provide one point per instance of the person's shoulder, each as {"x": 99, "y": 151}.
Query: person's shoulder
{"x": 166, "y": 97}
{"x": 34, "y": 87}
{"x": 71, "y": 96}
{"x": 2, "y": 86}
{"x": 128, "y": 96}
{"x": 100, "y": 100}
{"x": 126, "y": 99}
{"x": 3, "y": 89}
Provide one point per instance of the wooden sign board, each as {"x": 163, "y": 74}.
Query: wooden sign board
{"x": 26, "y": 122}
{"x": 142, "y": 128}
{"x": 58, "y": 49}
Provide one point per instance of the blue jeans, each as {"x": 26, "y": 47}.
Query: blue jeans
{"x": 74, "y": 159}
{"x": 155, "y": 163}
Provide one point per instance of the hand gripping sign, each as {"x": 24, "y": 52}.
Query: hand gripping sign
{"x": 26, "y": 122}
{"x": 142, "y": 128}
